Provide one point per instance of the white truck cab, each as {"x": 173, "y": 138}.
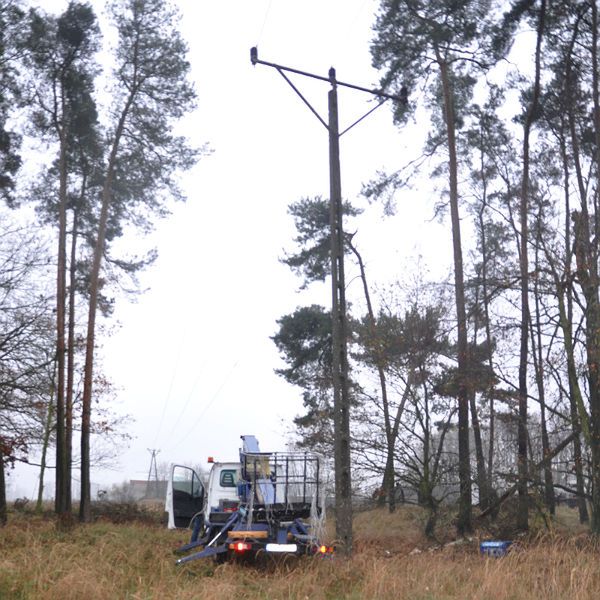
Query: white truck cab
{"x": 222, "y": 491}
{"x": 187, "y": 497}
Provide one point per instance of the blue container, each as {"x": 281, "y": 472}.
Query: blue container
{"x": 494, "y": 548}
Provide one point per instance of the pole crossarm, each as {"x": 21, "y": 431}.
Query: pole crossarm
{"x": 257, "y": 61}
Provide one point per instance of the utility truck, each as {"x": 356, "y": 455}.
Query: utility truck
{"x": 269, "y": 502}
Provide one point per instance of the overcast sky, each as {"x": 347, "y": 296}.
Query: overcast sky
{"x": 192, "y": 359}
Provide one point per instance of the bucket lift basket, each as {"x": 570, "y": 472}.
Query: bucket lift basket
{"x": 280, "y": 485}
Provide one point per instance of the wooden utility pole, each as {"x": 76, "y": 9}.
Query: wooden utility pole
{"x": 341, "y": 396}
{"x": 341, "y": 400}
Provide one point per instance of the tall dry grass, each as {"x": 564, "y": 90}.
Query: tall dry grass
{"x": 134, "y": 561}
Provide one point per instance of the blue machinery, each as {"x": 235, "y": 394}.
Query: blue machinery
{"x": 278, "y": 494}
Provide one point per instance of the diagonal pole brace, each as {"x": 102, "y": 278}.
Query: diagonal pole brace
{"x": 314, "y": 112}
{"x": 363, "y": 117}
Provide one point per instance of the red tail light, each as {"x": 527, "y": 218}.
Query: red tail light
{"x": 240, "y": 546}
{"x": 229, "y": 505}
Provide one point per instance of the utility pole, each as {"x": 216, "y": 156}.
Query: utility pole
{"x": 341, "y": 398}
{"x": 153, "y": 466}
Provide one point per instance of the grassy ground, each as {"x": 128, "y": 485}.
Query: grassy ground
{"x": 391, "y": 560}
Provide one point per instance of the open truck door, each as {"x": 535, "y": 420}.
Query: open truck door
{"x": 185, "y": 497}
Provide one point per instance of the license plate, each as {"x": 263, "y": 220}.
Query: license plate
{"x": 282, "y": 548}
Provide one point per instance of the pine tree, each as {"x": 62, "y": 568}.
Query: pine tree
{"x": 61, "y": 55}
{"x": 435, "y": 45}
{"x": 151, "y": 92}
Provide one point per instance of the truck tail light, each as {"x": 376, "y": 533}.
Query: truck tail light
{"x": 229, "y": 506}
{"x": 240, "y": 546}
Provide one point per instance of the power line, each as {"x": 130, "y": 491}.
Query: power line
{"x": 214, "y": 397}
{"x": 264, "y": 22}
{"x": 187, "y": 401}
{"x": 168, "y": 396}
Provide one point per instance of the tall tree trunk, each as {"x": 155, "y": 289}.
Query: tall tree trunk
{"x": 425, "y": 488}
{"x": 389, "y": 475}
{"x": 464, "y": 521}
{"x": 523, "y": 510}
{"x": 3, "y": 508}
{"x": 71, "y": 360}
{"x": 395, "y": 428}
{"x": 45, "y": 441}
{"x": 488, "y": 340}
{"x": 586, "y": 254}
{"x": 593, "y": 328}
{"x": 85, "y": 509}
{"x": 85, "y": 501}
{"x": 490, "y": 390}
{"x": 579, "y": 416}
{"x": 578, "y": 460}
{"x": 522, "y": 514}
{"x": 566, "y": 319}
{"x": 536, "y": 349}
{"x": 482, "y": 480}
{"x": 587, "y": 273}
{"x": 61, "y": 454}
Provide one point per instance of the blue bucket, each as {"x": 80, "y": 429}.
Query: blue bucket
{"x": 494, "y": 548}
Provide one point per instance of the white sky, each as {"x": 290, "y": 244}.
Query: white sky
{"x": 193, "y": 360}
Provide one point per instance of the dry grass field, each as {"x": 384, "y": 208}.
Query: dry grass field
{"x": 135, "y": 560}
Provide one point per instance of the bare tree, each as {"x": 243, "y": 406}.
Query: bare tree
{"x": 25, "y": 344}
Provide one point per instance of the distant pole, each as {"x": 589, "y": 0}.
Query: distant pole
{"x": 153, "y": 452}
{"x": 341, "y": 401}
